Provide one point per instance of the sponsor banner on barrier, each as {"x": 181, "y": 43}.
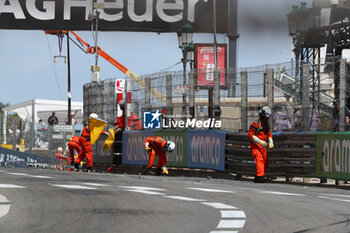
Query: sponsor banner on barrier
{"x": 206, "y": 149}
{"x": 333, "y": 155}
{"x": 177, "y": 158}
{"x": 133, "y": 151}
{"x": 194, "y": 148}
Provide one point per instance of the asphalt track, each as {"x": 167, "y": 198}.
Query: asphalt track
{"x": 33, "y": 200}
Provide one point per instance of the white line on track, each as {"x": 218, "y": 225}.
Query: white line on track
{"x": 224, "y": 232}
{"x": 231, "y": 224}
{"x": 72, "y": 186}
{"x": 184, "y": 198}
{"x": 212, "y": 190}
{"x": 17, "y": 174}
{"x": 282, "y": 193}
{"x": 41, "y": 177}
{"x": 11, "y": 186}
{"x": 218, "y": 205}
{"x": 232, "y": 214}
{"x": 96, "y": 184}
{"x": 334, "y": 199}
{"x": 24, "y": 174}
{"x": 232, "y": 218}
{"x": 142, "y": 188}
{"x": 4, "y": 206}
{"x": 145, "y": 192}
{"x": 250, "y": 189}
{"x": 335, "y": 195}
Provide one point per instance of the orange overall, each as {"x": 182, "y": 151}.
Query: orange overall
{"x": 85, "y": 144}
{"x": 74, "y": 144}
{"x": 58, "y": 155}
{"x": 157, "y": 144}
{"x": 263, "y": 132}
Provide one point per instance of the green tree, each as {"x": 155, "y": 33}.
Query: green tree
{"x": 2, "y": 105}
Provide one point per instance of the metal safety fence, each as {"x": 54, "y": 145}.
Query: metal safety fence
{"x": 300, "y": 97}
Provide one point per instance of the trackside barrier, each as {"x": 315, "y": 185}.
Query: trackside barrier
{"x": 333, "y": 155}
{"x": 293, "y": 155}
{"x": 23, "y": 159}
{"x": 105, "y": 159}
{"x": 194, "y": 148}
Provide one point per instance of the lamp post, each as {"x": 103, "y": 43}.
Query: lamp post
{"x": 185, "y": 35}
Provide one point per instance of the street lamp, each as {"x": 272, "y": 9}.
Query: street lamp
{"x": 185, "y": 35}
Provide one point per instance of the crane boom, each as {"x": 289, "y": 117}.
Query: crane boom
{"x": 134, "y": 77}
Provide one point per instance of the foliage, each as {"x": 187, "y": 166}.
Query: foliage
{"x": 11, "y": 118}
{"x": 2, "y": 105}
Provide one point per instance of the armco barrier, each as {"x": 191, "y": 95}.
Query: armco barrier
{"x": 293, "y": 155}
{"x": 194, "y": 148}
{"x": 22, "y": 159}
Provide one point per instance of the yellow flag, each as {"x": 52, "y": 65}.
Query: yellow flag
{"x": 96, "y": 126}
{"x": 109, "y": 141}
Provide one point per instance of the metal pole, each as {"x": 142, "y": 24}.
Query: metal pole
{"x": 147, "y": 105}
{"x": 244, "y": 101}
{"x": 232, "y": 36}
{"x": 169, "y": 94}
{"x": 14, "y": 142}
{"x": 69, "y": 84}
{"x": 4, "y": 126}
{"x": 217, "y": 110}
{"x": 210, "y": 102}
{"x": 184, "y": 112}
{"x": 128, "y": 102}
{"x": 215, "y": 42}
{"x": 342, "y": 85}
{"x": 32, "y": 128}
{"x": 96, "y": 37}
{"x": 270, "y": 91}
{"x": 305, "y": 97}
{"x": 192, "y": 95}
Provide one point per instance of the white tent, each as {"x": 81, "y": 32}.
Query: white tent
{"x": 42, "y": 109}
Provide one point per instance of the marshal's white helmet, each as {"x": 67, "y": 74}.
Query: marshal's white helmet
{"x": 93, "y": 115}
{"x": 59, "y": 149}
{"x": 265, "y": 112}
{"x": 170, "y": 146}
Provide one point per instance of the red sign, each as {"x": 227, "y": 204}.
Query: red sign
{"x": 204, "y": 62}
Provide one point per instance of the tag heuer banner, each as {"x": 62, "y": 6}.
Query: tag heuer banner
{"x": 115, "y": 15}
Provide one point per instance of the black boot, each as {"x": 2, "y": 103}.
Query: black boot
{"x": 260, "y": 179}
{"x": 158, "y": 172}
{"x": 90, "y": 169}
{"x": 149, "y": 171}
{"x": 76, "y": 166}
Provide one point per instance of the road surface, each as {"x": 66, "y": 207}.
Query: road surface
{"x": 35, "y": 200}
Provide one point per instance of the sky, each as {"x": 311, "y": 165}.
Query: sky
{"x": 28, "y": 71}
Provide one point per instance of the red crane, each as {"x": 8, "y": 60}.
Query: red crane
{"x": 92, "y": 50}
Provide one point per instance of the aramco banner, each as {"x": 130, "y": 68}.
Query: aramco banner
{"x": 115, "y": 15}
{"x": 194, "y": 148}
{"x": 333, "y": 155}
